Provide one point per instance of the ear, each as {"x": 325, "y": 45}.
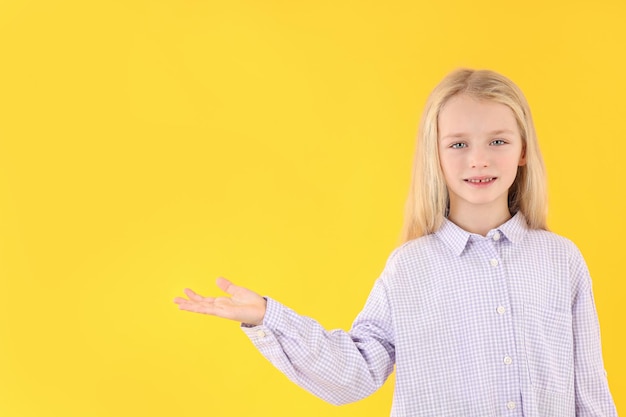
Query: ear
{"x": 522, "y": 158}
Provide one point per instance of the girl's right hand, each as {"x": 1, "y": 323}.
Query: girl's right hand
{"x": 243, "y": 305}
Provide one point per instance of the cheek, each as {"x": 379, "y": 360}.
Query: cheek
{"x": 517, "y": 161}
{"x": 513, "y": 167}
{"x": 444, "y": 164}
{"x": 452, "y": 163}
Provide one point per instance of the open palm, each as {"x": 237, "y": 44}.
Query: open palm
{"x": 243, "y": 305}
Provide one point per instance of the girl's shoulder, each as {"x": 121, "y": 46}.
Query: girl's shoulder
{"x": 549, "y": 240}
{"x": 426, "y": 243}
{"x": 554, "y": 251}
{"x": 420, "y": 249}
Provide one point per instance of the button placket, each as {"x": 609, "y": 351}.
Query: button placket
{"x": 495, "y": 250}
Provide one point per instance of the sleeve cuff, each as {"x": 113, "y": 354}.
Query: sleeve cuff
{"x": 263, "y": 334}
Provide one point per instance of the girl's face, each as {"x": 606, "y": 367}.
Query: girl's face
{"x": 480, "y": 148}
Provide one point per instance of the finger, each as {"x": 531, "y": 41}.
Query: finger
{"x": 194, "y": 308}
{"x": 192, "y": 295}
{"x": 204, "y": 308}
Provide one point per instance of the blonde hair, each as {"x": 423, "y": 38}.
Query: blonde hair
{"x": 428, "y": 200}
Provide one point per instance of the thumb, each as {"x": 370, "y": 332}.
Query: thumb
{"x": 226, "y": 286}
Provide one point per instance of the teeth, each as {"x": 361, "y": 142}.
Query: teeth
{"x": 477, "y": 181}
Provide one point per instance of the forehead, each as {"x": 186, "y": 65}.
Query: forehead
{"x": 462, "y": 114}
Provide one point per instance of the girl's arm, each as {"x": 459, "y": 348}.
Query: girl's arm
{"x": 337, "y": 366}
{"x": 593, "y": 398}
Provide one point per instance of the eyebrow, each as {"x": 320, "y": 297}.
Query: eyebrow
{"x": 464, "y": 135}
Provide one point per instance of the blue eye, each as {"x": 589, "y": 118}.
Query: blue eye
{"x": 458, "y": 145}
{"x": 498, "y": 142}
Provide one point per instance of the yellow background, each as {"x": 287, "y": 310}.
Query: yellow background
{"x": 147, "y": 146}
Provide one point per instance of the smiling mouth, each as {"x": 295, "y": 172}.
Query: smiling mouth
{"x": 480, "y": 180}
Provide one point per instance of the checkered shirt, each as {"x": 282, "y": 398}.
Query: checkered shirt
{"x": 476, "y": 326}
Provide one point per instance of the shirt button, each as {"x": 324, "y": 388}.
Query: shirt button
{"x": 260, "y": 334}
{"x": 510, "y": 405}
{"x": 500, "y": 310}
{"x": 493, "y": 262}
{"x": 496, "y": 236}
{"x": 508, "y": 360}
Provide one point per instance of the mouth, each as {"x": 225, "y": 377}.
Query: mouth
{"x": 482, "y": 180}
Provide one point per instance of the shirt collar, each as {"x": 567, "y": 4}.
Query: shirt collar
{"x": 457, "y": 239}
{"x": 515, "y": 228}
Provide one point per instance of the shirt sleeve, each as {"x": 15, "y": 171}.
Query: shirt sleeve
{"x": 337, "y": 366}
{"x": 593, "y": 397}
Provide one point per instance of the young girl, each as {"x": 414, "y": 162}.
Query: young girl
{"x": 482, "y": 310}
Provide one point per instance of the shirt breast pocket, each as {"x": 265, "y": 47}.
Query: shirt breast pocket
{"x": 548, "y": 344}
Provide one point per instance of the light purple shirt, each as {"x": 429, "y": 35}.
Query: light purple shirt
{"x": 502, "y": 325}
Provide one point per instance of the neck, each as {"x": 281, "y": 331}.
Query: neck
{"x": 479, "y": 220}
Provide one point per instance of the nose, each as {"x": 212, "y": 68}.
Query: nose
{"x": 478, "y": 158}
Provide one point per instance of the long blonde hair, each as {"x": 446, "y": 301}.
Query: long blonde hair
{"x": 428, "y": 199}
